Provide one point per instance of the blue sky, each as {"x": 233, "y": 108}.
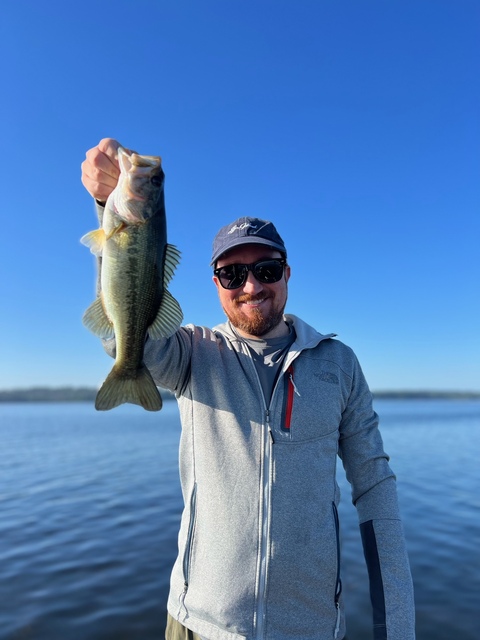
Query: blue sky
{"x": 352, "y": 124}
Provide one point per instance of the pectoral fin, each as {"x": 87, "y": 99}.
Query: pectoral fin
{"x": 95, "y": 241}
{"x": 168, "y": 318}
{"x": 97, "y": 320}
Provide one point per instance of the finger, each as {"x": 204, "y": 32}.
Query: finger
{"x": 109, "y": 147}
{"x": 97, "y": 182}
{"x": 98, "y": 162}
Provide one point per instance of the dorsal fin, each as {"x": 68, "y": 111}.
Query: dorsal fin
{"x": 172, "y": 258}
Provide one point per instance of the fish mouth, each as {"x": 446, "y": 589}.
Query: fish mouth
{"x": 128, "y": 160}
{"x": 134, "y": 164}
{"x": 136, "y": 185}
{"x": 145, "y": 161}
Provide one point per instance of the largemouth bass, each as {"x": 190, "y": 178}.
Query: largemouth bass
{"x": 137, "y": 264}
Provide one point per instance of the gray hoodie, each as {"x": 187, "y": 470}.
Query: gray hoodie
{"x": 259, "y": 554}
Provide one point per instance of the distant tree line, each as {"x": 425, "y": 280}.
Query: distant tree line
{"x": 427, "y": 395}
{"x": 87, "y": 394}
{"x": 59, "y": 394}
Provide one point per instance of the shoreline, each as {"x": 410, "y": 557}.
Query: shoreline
{"x": 87, "y": 394}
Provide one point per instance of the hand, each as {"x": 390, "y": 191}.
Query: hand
{"x": 100, "y": 169}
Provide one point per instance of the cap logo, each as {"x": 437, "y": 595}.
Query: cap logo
{"x": 244, "y": 225}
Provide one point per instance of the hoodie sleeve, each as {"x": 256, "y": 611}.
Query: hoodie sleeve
{"x": 169, "y": 360}
{"x": 391, "y": 590}
{"x": 374, "y": 495}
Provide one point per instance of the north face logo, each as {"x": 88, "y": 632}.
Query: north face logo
{"x": 326, "y": 376}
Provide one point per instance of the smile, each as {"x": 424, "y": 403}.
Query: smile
{"x": 253, "y": 303}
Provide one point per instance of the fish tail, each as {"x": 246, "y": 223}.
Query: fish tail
{"x": 136, "y": 387}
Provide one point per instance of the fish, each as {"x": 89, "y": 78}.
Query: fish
{"x": 136, "y": 265}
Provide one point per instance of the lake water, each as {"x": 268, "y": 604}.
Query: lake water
{"x": 90, "y": 503}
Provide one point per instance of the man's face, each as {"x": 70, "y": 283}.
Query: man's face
{"x": 255, "y": 309}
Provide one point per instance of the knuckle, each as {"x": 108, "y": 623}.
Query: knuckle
{"x": 96, "y": 173}
{"x": 106, "y": 144}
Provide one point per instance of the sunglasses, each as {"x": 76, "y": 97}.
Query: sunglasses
{"x": 233, "y": 276}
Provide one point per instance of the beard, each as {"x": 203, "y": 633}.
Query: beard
{"x": 255, "y": 324}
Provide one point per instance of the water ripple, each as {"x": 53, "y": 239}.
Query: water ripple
{"x": 90, "y": 505}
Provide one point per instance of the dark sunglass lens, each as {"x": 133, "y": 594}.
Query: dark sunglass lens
{"x": 232, "y": 276}
{"x": 268, "y": 271}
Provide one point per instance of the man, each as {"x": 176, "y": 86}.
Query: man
{"x": 267, "y": 406}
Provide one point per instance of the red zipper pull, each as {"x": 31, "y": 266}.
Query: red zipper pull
{"x": 290, "y": 392}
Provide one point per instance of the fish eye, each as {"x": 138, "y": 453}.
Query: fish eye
{"x": 156, "y": 181}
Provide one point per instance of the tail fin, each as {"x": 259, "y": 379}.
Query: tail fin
{"x": 137, "y": 388}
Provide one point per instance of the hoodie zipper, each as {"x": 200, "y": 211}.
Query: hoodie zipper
{"x": 268, "y": 442}
{"x": 188, "y": 546}
{"x": 267, "y": 445}
{"x": 338, "y": 582}
{"x": 265, "y": 529}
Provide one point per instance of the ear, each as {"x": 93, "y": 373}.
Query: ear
{"x": 287, "y": 272}
{"x": 217, "y": 283}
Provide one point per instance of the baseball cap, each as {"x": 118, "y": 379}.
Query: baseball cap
{"x": 246, "y": 231}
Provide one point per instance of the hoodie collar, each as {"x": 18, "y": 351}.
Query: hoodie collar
{"x": 306, "y": 336}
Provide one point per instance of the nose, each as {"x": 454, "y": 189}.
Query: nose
{"x": 252, "y": 285}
